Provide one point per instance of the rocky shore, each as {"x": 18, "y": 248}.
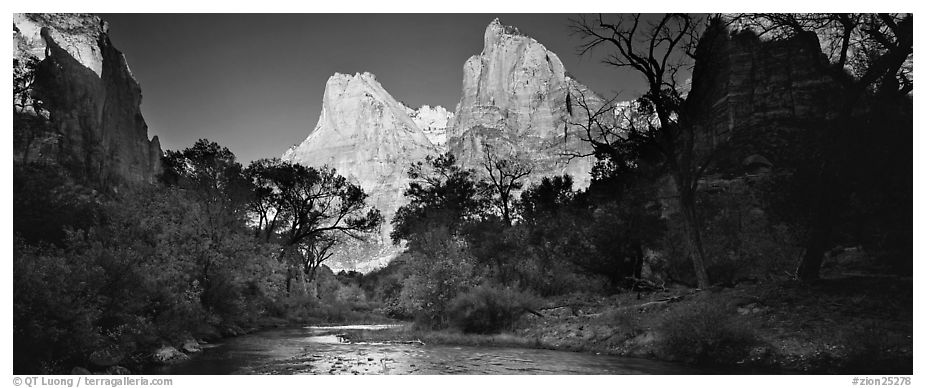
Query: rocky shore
{"x": 791, "y": 327}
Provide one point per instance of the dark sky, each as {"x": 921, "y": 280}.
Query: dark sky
{"x": 254, "y": 82}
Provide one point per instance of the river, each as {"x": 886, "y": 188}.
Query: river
{"x": 318, "y": 350}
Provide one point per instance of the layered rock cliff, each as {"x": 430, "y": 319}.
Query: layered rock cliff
{"x": 76, "y": 103}
{"x": 515, "y": 98}
{"x": 754, "y": 93}
{"x": 368, "y": 136}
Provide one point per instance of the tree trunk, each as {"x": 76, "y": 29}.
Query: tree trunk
{"x": 289, "y": 281}
{"x": 820, "y": 234}
{"x": 638, "y": 262}
{"x": 506, "y": 214}
{"x": 693, "y": 230}
{"x": 821, "y": 226}
{"x": 809, "y": 269}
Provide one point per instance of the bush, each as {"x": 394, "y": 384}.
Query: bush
{"x": 489, "y": 309}
{"x": 55, "y": 308}
{"x": 705, "y": 333}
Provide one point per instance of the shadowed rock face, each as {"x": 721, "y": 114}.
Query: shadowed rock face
{"x": 514, "y": 98}
{"x": 367, "y": 136}
{"x": 755, "y": 93}
{"x": 88, "y": 118}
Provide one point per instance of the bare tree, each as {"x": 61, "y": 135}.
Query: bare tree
{"x": 505, "y": 176}
{"x": 658, "y": 50}
{"x": 862, "y": 51}
{"x": 617, "y": 132}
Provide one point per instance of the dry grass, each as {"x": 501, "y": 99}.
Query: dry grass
{"x": 407, "y": 333}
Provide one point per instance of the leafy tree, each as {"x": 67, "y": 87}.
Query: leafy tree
{"x": 549, "y": 239}
{"x": 441, "y": 194}
{"x": 212, "y": 175}
{"x": 213, "y": 178}
{"x": 29, "y": 116}
{"x": 264, "y": 203}
{"x": 309, "y": 210}
{"x": 439, "y": 269}
{"x": 23, "y": 83}
{"x": 446, "y": 204}
{"x": 548, "y": 199}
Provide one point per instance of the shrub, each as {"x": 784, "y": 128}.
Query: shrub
{"x": 705, "y": 333}
{"x": 488, "y": 309}
{"x": 55, "y": 308}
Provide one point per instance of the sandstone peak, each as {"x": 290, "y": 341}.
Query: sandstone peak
{"x": 514, "y": 98}
{"x": 357, "y": 75}
{"x": 77, "y": 34}
{"x": 367, "y": 136}
{"x": 496, "y": 33}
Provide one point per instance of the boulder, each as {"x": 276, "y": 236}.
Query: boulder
{"x": 231, "y": 331}
{"x": 80, "y": 371}
{"x": 168, "y": 355}
{"x": 191, "y": 346}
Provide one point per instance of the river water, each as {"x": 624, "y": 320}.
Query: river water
{"x": 318, "y": 350}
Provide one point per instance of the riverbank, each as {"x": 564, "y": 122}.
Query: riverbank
{"x": 851, "y": 324}
{"x": 181, "y": 351}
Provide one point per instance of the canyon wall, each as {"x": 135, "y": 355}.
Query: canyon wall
{"x": 76, "y": 103}
{"x": 752, "y": 94}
